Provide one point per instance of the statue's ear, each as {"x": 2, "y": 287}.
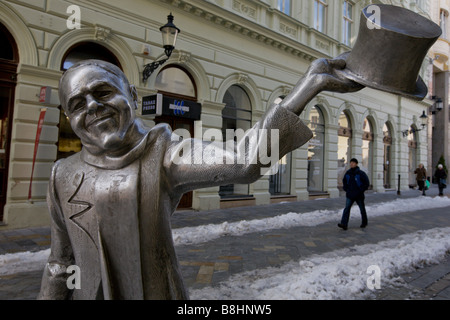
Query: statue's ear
{"x": 134, "y": 95}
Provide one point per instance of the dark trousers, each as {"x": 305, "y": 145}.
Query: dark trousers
{"x": 348, "y": 206}
{"x": 441, "y": 189}
{"x": 421, "y": 184}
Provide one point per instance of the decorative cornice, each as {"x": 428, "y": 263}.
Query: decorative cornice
{"x": 232, "y": 19}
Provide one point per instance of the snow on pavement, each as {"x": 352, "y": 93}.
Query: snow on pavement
{"x": 31, "y": 261}
{"x": 341, "y": 274}
{"x": 205, "y": 233}
{"x": 12, "y": 263}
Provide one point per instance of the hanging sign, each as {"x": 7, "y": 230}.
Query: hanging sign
{"x": 158, "y": 105}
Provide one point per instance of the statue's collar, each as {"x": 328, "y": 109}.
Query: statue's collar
{"x": 114, "y": 163}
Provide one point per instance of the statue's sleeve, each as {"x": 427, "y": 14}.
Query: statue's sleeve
{"x": 195, "y": 163}
{"x": 54, "y": 279}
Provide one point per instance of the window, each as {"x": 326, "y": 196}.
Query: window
{"x": 284, "y": 6}
{"x": 387, "y": 141}
{"x": 320, "y": 15}
{"x": 6, "y": 48}
{"x": 412, "y": 157}
{"x": 280, "y": 183}
{"x": 444, "y": 23}
{"x": 347, "y": 23}
{"x": 9, "y": 58}
{"x": 85, "y": 51}
{"x": 237, "y": 114}
{"x": 176, "y": 80}
{"x": 316, "y": 151}
{"x": 344, "y": 146}
{"x": 367, "y": 149}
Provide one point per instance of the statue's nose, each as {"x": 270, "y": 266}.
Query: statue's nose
{"x": 92, "y": 105}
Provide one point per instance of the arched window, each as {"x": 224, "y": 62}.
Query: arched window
{"x": 367, "y": 149}
{"x": 237, "y": 114}
{"x": 87, "y": 50}
{"x": 387, "y": 141}
{"x": 344, "y": 146}
{"x": 412, "y": 158}
{"x": 9, "y": 58}
{"x": 8, "y": 50}
{"x": 316, "y": 151}
{"x": 68, "y": 142}
{"x": 176, "y": 81}
{"x": 280, "y": 183}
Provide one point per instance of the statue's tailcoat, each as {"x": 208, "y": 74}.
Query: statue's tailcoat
{"x": 112, "y": 218}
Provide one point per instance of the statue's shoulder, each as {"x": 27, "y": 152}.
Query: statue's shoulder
{"x": 160, "y": 132}
{"x": 67, "y": 164}
{"x": 162, "y": 128}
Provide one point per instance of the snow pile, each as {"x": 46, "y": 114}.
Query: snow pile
{"x": 205, "y": 233}
{"x": 341, "y": 274}
{"x": 12, "y": 263}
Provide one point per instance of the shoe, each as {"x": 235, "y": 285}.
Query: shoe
{"x": 363, "y": 225}
{"x": 342, "y": 226}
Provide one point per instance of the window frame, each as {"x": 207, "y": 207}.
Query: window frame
{"x": 317, "y": 5}
{"x": 347, "y": 27}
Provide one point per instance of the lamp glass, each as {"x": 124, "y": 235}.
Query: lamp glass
{"x": 439, "y": 104}
{"x": 424, "y": 119}
{"x": 169, "y": 34}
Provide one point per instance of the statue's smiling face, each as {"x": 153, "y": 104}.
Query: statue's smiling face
{"x": 100, "y": 106}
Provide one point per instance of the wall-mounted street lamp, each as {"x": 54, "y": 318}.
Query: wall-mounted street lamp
{"x": 423, "y": 119}
{"x": 438, "y": 104}
{"x": 169, "y": 36}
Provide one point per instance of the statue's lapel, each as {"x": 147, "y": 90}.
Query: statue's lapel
{"x": 82, "y": 214}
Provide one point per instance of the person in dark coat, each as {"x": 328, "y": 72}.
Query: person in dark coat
{"x": 356, "y": 182}
{"x": 441, "y": 177}
{"x": 421, "y": 176}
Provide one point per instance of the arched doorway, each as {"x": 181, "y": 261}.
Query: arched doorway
{"x": 387, "y": 165}
{"x": 280, "y": 182}
{"x": 367, "y": 149}
{"x": 412, "y": 157}
{"x": 9, "y": 58}
{"x": 175, "y": 82}
{"x": 344, "y": 146}
{"x": 68, "y": 142}
{"x": 237, "y": 114}
{"x": 316, "y": 154}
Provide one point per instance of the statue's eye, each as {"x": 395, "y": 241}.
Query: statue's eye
{"x": 77, "y": 105}
{"x": 102, "y": 94}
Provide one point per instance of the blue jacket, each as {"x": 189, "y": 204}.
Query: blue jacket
{"x": 356, "y": 182}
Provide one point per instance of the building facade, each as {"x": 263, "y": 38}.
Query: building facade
{"x": 439, "y": 123}
{"x": 233, "y": 59}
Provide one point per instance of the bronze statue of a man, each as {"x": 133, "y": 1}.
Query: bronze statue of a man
{"x": 111, "y": 203}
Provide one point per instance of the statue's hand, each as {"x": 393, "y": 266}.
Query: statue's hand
{"x": 328, "y": 76}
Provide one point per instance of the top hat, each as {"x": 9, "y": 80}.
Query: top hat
{"x": 390, "y": 49}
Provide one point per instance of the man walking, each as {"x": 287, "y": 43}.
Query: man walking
{"x": 355, "y": 183}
